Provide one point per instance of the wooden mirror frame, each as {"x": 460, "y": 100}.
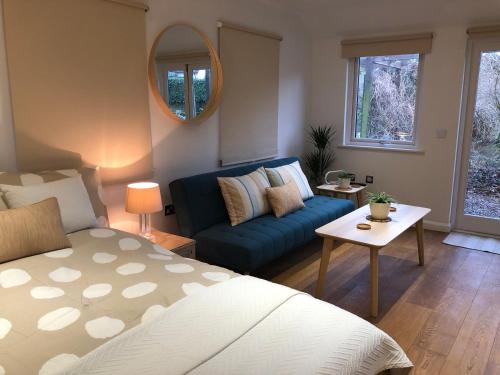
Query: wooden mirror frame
{"x": 216, "y": 73}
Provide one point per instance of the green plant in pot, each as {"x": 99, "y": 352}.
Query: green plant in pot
{"x": 321, "y": 156}
{"x": 344, "y": 179}
{"x": 380, "y": 205}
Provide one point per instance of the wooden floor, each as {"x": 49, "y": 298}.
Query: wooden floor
{"x": 445, "y": 315}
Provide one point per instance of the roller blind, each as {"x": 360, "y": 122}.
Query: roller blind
{"x": 78, "y": 77}
{"x": 390, "y": 45}
{"x": 249, "y": 104}
{"x": 484, "y": 31}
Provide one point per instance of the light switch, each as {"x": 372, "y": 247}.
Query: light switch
{"x": 441, "y": 133}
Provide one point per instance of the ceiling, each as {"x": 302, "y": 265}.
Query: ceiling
{"x": 323, "y": 18}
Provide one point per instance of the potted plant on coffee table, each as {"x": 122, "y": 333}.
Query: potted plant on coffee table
{"x": 380, "y": 205}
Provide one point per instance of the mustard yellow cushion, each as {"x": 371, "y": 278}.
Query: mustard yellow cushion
{"x": 31, "y": 230}
{"x": 245, "y": 196}
{"x": 284, "y": 199}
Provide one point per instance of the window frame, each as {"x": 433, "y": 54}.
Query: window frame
{"x": 351, "y": 107}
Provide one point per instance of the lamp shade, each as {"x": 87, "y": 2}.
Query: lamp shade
{"x": 143, "y": 198}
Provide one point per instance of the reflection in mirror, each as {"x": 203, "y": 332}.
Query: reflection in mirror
{"x": 183, "y": 71}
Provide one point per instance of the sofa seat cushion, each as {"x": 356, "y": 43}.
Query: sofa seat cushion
{"x": 254, "y": 243}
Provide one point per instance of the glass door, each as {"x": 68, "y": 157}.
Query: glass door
{"x": 200, "y": 87}
{"x": 478, "y": 208}
{"x": 176, "y": 92}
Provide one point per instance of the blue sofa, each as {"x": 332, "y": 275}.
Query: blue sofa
{"x": 202, "y": 215}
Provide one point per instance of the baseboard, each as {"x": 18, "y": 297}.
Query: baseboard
{"x": 437, "y": 226}
{"x": 477, "y": 233}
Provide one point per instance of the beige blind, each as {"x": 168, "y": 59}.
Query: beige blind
{"x": 484, "y": 31}
{"x": 249, "y": 104}
{"x": 78, "y": 77}
{"x": 392, "y": 45}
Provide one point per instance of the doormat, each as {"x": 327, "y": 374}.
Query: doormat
{"x": 470, "y": 241}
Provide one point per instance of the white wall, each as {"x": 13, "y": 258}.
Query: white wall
{"x": 181, "y": 150}
{"x": 420, "y": 179}
{"x": 7, "y": 156}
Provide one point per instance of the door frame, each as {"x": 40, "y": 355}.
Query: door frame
{"x": 460, "y": 221}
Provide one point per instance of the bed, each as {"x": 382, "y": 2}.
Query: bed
{"x": 109, "y": 302}
{"x": 114, "y": 303}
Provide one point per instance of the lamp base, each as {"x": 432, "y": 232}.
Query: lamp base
{"x": 145, "y": 223}
{"x": 149, "y": 236}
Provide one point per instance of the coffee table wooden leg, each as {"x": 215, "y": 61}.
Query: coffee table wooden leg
{"x": 420, "y": 241}
{"x": 359, "y": 198}
{"x": 374, "y": 280}
{"x": 323, "y": 266}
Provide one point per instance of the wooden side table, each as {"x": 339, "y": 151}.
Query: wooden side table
{"x": 182, "y": 246}
{"x": 334, "y": 190}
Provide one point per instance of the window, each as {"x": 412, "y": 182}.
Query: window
{"x": 384, "y": 99}
{"x": 186, "y": 88}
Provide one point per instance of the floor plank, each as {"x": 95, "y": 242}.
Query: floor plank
{"x": 426, "y": 361}
{"x": 441, "y": 329}
{"x": 445, "y": 315}
{"x": 404, "y": 322}
{"x": 493, "y": 365}
{"x": 471, "y": 350}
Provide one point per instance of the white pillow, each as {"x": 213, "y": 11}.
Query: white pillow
{"x": 74, "y": 202}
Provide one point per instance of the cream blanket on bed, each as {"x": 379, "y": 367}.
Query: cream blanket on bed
{"x": 248, "y": 326}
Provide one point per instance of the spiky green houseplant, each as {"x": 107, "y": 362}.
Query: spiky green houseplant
{"x": 318, "y": 160}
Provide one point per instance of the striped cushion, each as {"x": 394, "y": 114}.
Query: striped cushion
{"x": 245, "y": 196}
{"x": 281, "y": 175}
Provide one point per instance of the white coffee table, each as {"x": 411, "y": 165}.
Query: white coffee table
{"x": 380, "y": 235}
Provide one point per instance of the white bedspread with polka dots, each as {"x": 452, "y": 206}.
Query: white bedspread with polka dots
{"x": 58, "y": 306}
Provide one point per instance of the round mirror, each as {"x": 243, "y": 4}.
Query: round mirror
{"x": 185, "y": 73}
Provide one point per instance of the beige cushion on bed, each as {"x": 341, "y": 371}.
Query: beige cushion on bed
{"x": 284, "y": 199}
{"x": 71, "y": 194}
{"x": 90, "y": 177}
{"x": 31, "y": 230}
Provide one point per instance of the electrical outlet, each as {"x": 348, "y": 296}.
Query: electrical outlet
{"x": 369, "y": 179}
{"x": 169, "y": 209}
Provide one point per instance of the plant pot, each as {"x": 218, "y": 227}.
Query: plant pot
{"x": 380, "y": 211}
{"x": 344, "y": 183}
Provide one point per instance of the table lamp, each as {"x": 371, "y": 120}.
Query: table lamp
{"x": 144, "y": 198}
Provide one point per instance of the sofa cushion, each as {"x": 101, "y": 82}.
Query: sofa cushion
{"x": 245, "y": 196}
{"x": 250, "y": 245}
{"x": 291, "y": 172}
{"x": 284, "y": 199}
